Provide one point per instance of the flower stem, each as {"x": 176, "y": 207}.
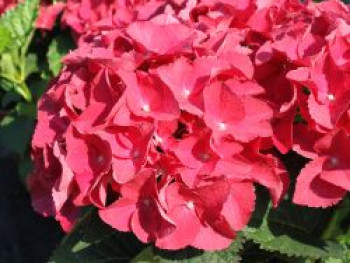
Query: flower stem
{"x": 338, "y": 215}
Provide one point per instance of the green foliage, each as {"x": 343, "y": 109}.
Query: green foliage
{"x": 292, "y": 230}
{"x": 191, "y": 255}
{"x": 292, "y": 247}
{"x": 93, "y": 241}
{"x": 15, "y": 133}
{"x": 59, "y": 47}
{"x": 289, "y": 234}
{"x": 31, "y": 64}
{"x": 24, "y": 168}
{"x": 19, "y": 21}
{"x": 5, "y": 38}
{"x": 17, "y": 27}
{"x": 9, "y": 98}
{"x": 8, "y": 69}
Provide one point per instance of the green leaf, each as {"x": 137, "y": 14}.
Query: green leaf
{"x": 191, "y": 255}
{"x": 7, "y": 66}
{"x": 38, "y": 87}
{"x": 59, "y": 47}
{"x": 7, "y": 86}
{"x": 9, "y": 98}
{"x": 31, "y": 64}
{"x": 10, "y": 77}
{"x": 292, "y": 230}
{"x": 19, "y": 21}
{"x": 5, "y": 38}
{"x": 22, "y": 89}
{"x": 26, "y": 109}
{"x": 306, "y": 247}
{"x": 333, "y": 260}
{"x": 15, "y": 134}
{"x": 24, "y": 168}
{"x": 339, "y": 223}
{"x": 93, "y": 241}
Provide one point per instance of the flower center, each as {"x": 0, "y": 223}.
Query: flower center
{"x": 190, "y": 205}
{"x": 146, "y": 108}
{"x": 100, "y": 159}
{"x": 160, "y": 172}
{"x": 50, "y": 176}
{"x": 186, "y": 93}
{"x": 205, "y": 157}
{"x": 136, "y": 154}
{"x": 222, "y": 126}
{"x": 97, "y": 39}
{"x": 157, "y": 138}
{"x": 146, "y": 202}
{"x": 331, "y": 97}
{"x": 334, "y": 161}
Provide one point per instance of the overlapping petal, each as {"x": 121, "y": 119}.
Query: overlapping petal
{"x": 175, "y": 109}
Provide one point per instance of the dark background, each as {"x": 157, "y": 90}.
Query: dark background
{"x": 25, "y": 236}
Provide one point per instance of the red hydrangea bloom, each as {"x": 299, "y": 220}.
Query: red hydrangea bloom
{"x": 174, "y": 109}
{"x": 325, "y": 180}
{"x": 208, "y": 215}
{"x": 139, "y": 209}
{"x": 48, "y": 12}
{"x": 51, "y": 185}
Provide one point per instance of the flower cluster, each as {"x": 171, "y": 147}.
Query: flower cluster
{"x": 168, "y": 112}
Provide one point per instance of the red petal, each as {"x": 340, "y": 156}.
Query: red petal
{"x": 118, "y": 215}
{"x": 312, "y": 191}
{"x": 240, "y": 205}
{"x": 167, "y": 42}
{"x": 210, "y": 240}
